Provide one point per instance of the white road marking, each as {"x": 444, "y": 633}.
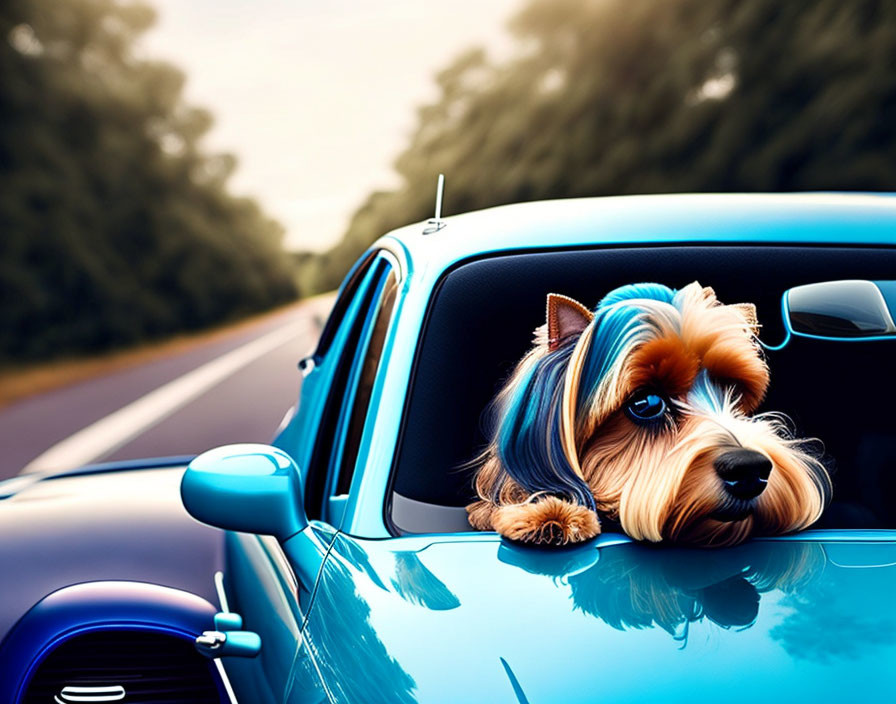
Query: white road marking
{"x": 117, "y": 428}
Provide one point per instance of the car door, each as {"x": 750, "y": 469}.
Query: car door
{"x": 259, "y": 582}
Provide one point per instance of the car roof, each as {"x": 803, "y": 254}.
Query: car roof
{"x": 824, "y": 218}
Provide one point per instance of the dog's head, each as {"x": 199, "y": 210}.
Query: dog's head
{"x": 652, "y": 406}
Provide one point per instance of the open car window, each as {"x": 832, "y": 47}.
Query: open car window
{"x": 360, "y": 337}
{"x": 480, "y": 322}
{"x": 358, "y": 389}
{"x": 342, "y": 350}
{"x": 347, "y": 293}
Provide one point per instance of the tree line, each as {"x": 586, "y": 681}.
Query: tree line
{"x": 606, "y": 97}
{"x": 115, "y": 225}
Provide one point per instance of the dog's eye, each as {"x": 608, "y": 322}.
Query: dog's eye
{"x": 646, "y": 406}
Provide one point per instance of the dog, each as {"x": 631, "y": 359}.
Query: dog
{"x": 641, "y": 412}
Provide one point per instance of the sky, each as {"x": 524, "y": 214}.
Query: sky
{"x": 317, "y": 98}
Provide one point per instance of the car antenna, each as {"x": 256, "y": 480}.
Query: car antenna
{"x": 437, "y": 223}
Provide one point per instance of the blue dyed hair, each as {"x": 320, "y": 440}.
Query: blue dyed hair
{"x": 530, "y": 435}
{"x": 615, "y": 325}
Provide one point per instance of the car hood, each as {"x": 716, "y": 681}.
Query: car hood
{"x": 110, "y": 525}
{"x": 479, "y": 619}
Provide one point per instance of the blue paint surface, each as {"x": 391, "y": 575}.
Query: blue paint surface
{"x": 478, "y": 619}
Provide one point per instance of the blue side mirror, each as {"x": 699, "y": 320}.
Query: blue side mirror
{"x": 249, "y": 488}
{"x": 853, "y": 309}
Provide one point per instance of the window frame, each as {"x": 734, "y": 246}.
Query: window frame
{"x": 353, "y": 325}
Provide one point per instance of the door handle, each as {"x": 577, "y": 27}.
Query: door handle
{"x": 227, "y": 640}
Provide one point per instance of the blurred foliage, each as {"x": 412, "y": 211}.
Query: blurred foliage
{"x": 114, "y": 226}
{"x": 642, "y": 96}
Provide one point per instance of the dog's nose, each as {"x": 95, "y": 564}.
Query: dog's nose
{"x": 744, "y": 472}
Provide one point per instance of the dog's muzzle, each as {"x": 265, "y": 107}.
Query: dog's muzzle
{"x": 744, "y": 473}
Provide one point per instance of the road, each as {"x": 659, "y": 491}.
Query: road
{"x": 233, "y": 388}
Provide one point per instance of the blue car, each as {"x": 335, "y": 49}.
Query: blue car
{"x": 337, "y": 564}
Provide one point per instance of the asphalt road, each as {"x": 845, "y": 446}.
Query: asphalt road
{"x": 235, "y": 388}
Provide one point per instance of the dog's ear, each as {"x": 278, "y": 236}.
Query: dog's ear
{"x": 748, "y": 311}
{"x": 709, "y": 293}
{"x": 566, "y": 317}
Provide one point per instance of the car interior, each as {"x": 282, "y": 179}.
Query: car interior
{"x": 480, "y": 322}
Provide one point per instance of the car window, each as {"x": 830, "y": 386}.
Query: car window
{"x": 338, "y": 360}
{"x": 358, "y": 353}
{"x": 357, "y": 391}
{"x": 366, "y": 374}
{"x": 480, "y": 322}
{"x": 347, "y": 292}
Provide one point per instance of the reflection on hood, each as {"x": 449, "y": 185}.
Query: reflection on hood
{"x": 636, "y": 586}
{"x": 416, "y": 584}
{"x": 354, "y": 664}
{"x": 395, "y": 623}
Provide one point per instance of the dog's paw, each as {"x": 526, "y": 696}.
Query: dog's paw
{"x": 547, "y": 521}
{"x": 479, "y": 514}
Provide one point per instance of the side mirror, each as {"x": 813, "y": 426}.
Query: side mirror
{"x": 846, "y": 310}
{"x": 249, "y": 488}
{"x": 841, "y": 309}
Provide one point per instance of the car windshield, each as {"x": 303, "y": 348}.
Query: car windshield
{"x": 481, "y": 320}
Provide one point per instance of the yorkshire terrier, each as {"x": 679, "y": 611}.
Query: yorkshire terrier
{"x": 640, "y": 412}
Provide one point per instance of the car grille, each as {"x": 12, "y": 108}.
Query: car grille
{"x": 125, "y": 666}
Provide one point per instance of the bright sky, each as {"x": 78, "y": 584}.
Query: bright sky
{"x": 317, "y": 97}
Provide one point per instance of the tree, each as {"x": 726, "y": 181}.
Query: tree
{"x": 115, "y": 226}
{"x": 612, "y": 97}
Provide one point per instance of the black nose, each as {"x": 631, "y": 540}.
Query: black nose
{"x": 744, "y": 472}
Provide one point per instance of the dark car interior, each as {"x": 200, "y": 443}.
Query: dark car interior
{"x": 480, "y": 322}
